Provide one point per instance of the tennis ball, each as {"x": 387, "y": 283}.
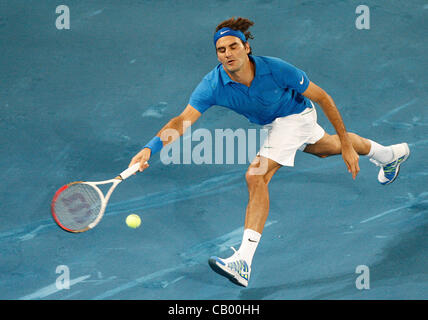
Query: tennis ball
{"x": 133, "y": 221}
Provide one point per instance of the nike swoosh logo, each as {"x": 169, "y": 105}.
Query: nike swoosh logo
{"x": 301, "y": 82}
{"x": 251, "y": 240}
{"x": 224, "y": 31}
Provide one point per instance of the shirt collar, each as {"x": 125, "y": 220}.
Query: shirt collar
{"x": 261, "y": 69}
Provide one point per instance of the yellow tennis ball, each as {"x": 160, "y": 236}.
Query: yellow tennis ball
{"x": 133, "y": 221}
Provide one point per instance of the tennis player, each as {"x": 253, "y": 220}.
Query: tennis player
{"x": 275, "y": 94}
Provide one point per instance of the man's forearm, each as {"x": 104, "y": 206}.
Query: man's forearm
{"x": 329, "y": 107}
{"x": 173, "y": 130}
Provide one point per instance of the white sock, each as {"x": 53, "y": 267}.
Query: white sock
{"x": 380, "y": 153}
{"x": 248, "y": 247}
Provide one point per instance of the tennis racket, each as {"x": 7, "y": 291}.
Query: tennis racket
{"x": 79, "y": 206}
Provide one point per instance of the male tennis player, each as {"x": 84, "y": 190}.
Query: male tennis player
{"x": 270, "y": 92}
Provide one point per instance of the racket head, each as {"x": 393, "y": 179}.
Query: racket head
{"x": 76, "y": 206}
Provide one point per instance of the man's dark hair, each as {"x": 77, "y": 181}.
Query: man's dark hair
{"x": 241, "y": 24}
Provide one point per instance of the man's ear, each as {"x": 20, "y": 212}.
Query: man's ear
{"x": 247, "y": 47}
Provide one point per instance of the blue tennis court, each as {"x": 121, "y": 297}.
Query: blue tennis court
{"x": 78, "y": 103}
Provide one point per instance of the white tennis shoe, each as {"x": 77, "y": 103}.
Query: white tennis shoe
{"x": 234, "y": 268}
{"x": 389, "y": 171}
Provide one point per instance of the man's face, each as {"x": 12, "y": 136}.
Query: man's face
{"x": 232, "y": 53}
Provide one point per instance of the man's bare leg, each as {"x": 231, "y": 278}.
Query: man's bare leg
{"x": 330, "y": 145}
{"x": 258, "y": 177}
{"x": 388, "y": 158}
{"x": 238, "y": 267}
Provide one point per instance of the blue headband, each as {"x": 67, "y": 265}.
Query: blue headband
{"x": 228, "y": 32}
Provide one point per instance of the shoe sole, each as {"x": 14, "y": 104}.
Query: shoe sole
{"x": 216, "y": 267}
{"x": 398, "y": 166}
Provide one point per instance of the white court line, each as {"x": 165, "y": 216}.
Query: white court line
{"x": 136, "y": 282}
{"x": 394, "y": 111}
{"x": 385, "y": 213}
{"x": 51, "y": 289}
{"x": 413, "y": 201}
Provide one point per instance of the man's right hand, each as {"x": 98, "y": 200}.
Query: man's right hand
{"x": 141, "y": 157}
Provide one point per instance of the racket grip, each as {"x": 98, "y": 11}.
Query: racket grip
{"x": 130, "y": 171}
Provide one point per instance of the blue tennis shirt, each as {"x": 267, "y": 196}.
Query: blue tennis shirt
{"x": 276, "y": 91}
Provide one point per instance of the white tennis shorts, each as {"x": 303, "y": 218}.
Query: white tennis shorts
{"x": 291, "y": 133}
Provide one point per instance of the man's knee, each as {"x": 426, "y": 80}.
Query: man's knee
{"x": 259, "y": 173}
{"x": 254, "y": 178}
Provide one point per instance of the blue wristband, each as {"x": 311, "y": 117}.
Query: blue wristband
{"x": 155, "y": 144}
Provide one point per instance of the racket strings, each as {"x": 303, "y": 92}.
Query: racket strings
{"x": 77, "y": 206}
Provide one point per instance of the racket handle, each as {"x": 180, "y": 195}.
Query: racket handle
{"x": 130, "y": 171}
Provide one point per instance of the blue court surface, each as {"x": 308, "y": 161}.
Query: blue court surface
{"x": 79, "y": 103}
